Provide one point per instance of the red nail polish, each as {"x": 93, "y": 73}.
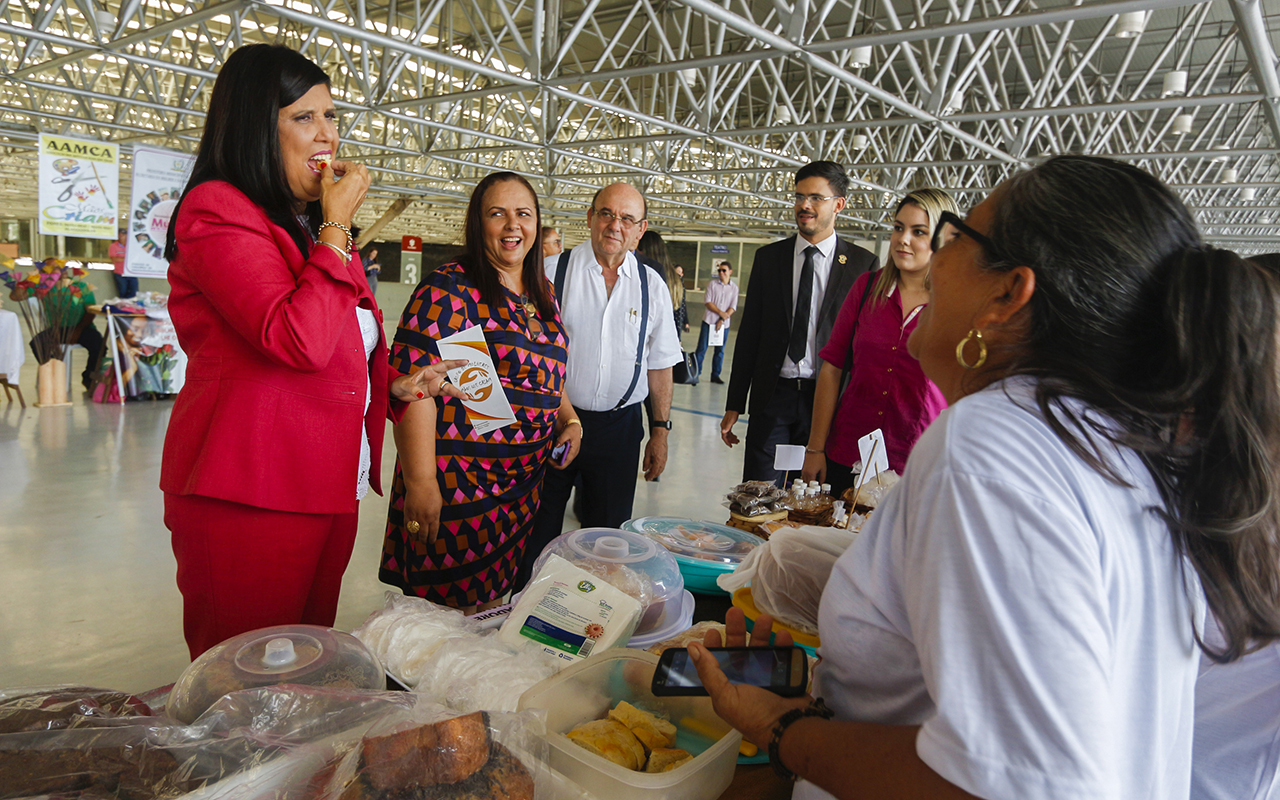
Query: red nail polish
{"x": 421, "y": 395}
{"x": 324, "y": 164}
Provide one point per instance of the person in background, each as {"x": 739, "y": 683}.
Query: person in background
{"x": 551, "y": 243}
{"x": 1024, "y": 614}
{"x": 277, "y": 433}
{"x": 463, "y": 502}
{"x": 721, "y": 300}
{"x": 125, "y": 286}
{"x": 887, "y": 389}
{"x": 653, "y": 248}
{"x": 796, "y": 289}
{"x": 619, "y": 356}
{"x": 371, "y": 269}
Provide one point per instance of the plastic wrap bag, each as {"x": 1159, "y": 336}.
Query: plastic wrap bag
{"x": 481, "y": 672}
{"x": 270, "y": 743}
{"x": 788, "y": 573}
{"x": 59, "y": 707}
{"x": 406, "y": 631}
{"x": 436, "y": 753}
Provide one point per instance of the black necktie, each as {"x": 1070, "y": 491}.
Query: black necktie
{"x": 804, "y": 298}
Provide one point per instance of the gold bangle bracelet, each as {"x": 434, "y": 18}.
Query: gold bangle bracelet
{"x": 574, "y": 421}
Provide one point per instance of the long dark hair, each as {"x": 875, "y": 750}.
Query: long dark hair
{"x": 476, "y": 264}
{"x": 241, "y": 141}
{"x": 1173, "y": 341}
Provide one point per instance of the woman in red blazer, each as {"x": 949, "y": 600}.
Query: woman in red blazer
{"x": 278, "y": 431}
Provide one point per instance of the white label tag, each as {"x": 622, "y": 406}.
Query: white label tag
{"x": 788, "y": 457}
{"x": 873, "y": 463}
{"x": 486, "y": 403}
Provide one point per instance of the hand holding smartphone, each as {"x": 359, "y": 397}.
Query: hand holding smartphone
{"x": 782, "y": 670}
{"x": 560, "y": 453}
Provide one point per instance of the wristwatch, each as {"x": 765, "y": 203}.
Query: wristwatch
{"x": 666, "y": 423}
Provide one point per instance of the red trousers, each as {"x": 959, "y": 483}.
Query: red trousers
{"x": 241, "y": 567}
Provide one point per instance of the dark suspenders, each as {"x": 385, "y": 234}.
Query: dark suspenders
{"x": 562, "y": 274}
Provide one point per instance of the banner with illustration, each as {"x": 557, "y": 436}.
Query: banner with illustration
{"x": 158, "y": 179}
{"x": 79, "y": 187}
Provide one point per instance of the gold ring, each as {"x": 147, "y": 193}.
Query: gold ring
{"x": 412, "y": 526}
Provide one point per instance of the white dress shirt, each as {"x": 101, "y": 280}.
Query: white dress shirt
{"x": 808, "y": 366}
{"x": 604, "y": 329}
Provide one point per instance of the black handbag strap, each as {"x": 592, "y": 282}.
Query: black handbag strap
{"x": 562, "y": 275}
{"x": 872, "y": 276}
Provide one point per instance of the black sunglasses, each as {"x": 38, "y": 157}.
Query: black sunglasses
{"x": 947, "y": 218}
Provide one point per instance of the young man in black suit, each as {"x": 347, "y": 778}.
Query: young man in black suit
{"x": 795, "y": 291}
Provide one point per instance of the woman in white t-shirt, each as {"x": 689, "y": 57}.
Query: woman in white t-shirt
{"x": 1022, "y": 616}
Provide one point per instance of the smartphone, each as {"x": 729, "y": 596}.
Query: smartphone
{"x": 781, "y": 670}
{"x": 559, "y": 453}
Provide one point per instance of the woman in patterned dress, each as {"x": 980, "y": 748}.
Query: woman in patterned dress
{"x": 463, "y": 502}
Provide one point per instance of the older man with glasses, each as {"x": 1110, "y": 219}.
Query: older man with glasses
{"x": 796, "y": 289}
{"x": 721, "y": 301}
{"x": 622, "y": 345}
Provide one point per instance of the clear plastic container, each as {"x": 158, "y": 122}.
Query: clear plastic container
{"x": 303, "y": 654}
{"x": 628, "y": 561}
{"x": 677, "y": 624}
{"x": 588, "y": 689}
{"x": 695, "y": 541}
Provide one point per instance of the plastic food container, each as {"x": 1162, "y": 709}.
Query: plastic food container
{"x": 807, "y": 641}
{"x": 310, "y": 655}
{"x": 676, "y": 624}
{"x": 588, "y": 689}
{"x": 628, "y": 561}
{"x": 703, "y": 550}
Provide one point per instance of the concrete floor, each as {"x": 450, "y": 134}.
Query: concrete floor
{"x": 87, "y": 593}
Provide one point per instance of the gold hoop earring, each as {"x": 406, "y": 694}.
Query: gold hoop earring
{"x": 974, "y": 333}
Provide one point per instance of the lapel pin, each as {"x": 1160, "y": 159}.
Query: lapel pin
{"x": 842, "y": 258}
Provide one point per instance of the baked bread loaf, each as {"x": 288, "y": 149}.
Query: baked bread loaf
{"x": 445, "y": 752}
{"x": 131, "y": 771}
{"x": 666, "y": 759}
{"x": 653, "y": 732}
{"x": 503, "y": 777}
{"x": 611, "y": 740}
{"x": 71, "y": 707}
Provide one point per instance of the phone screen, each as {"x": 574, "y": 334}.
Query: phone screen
{"x": 757, "y": 666}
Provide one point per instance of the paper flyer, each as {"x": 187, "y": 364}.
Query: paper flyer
{"x": 715, "y": 336}
{"x": 486, "y": 403}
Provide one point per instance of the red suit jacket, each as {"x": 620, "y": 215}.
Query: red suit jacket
{"x": 271, "y": 414}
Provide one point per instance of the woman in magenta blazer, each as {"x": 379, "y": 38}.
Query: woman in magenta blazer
{"x": 278, "y": 431}
{"x": 887, "y": 389}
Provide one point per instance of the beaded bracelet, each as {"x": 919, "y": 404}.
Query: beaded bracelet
{"x": 340, "y": 227}
{"x": 815, "y": 709}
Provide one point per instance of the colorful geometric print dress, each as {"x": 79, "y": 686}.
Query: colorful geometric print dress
{"x": 489, "y": 482}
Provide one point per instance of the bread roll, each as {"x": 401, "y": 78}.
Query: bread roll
{"x": 667, "y": 759}
{"x": 652, "y": 731}
{"x": 611, "y": 740}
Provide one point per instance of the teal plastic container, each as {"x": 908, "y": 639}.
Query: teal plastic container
{"x": 703, "y": 550}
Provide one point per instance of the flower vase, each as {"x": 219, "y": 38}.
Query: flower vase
{"x": 51, "y": 383}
